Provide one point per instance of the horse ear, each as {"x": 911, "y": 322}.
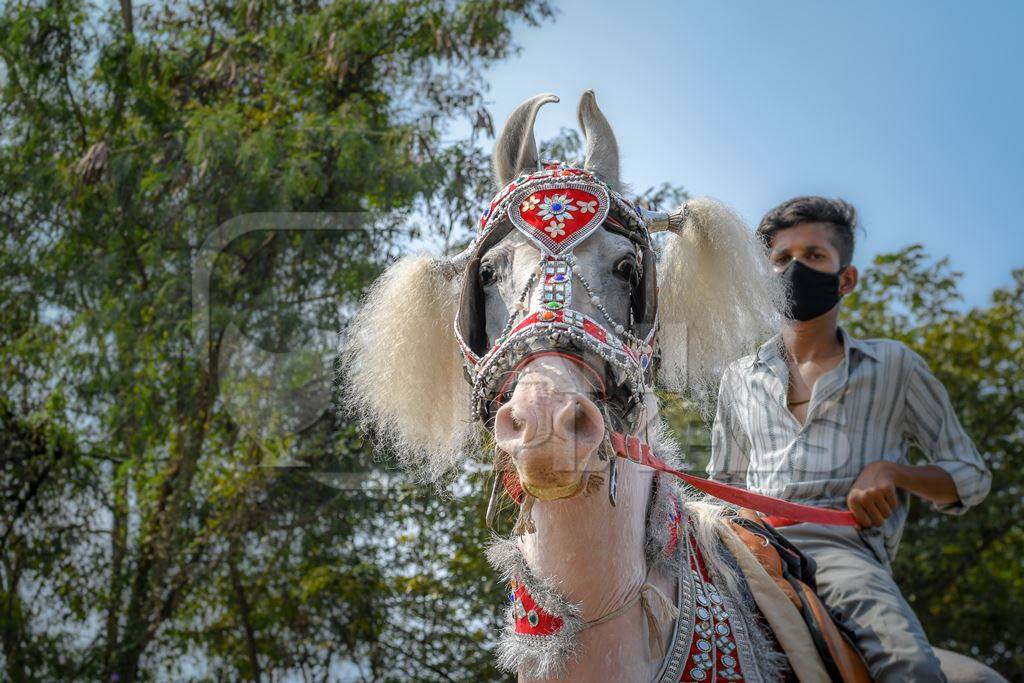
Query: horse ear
{"x": 516, "y": 149}
{"x": 402, "y": 369}
{"x": 602, "y": 152}
{"x": 717, "y": 298}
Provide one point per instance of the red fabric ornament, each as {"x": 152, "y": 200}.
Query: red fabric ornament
{"x": 558, "y": 216}
{"x": 724, "y": 652}
{"x": 531, "y": 620}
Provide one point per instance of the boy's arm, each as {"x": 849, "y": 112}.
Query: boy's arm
{"x": 730, "y": 448}
{"x": 956, "y": 477}
{"x": 932, "y": 424}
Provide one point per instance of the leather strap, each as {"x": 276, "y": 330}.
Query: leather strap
{"x": 779, "y": 522}
{"x": 632, "y": 448}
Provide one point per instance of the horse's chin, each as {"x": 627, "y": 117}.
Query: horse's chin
{"x": 555, "y": 492}
{"x": 546, "y": 485}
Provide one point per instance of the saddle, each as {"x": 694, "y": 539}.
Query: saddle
{"x": 781, "y": 571}
{"x": 792, "y": 572}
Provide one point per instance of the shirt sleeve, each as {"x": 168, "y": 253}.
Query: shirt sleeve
{"x": 932, "y": 425}
{"x": 730, "y": 448}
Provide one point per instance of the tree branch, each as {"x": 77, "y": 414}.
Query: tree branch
{"x": 126, "y": 15}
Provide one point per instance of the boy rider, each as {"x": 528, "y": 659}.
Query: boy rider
{"x": 819, "y": 417}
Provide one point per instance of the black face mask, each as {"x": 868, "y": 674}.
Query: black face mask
{"x": 810, "y": 292}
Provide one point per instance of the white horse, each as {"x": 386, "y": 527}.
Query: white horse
{"x": 563, "y": 325}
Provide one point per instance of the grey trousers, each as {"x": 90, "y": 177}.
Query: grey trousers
{"x": 856, "y": 582}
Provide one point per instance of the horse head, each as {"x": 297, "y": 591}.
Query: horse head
{"x": 558, "y": 314}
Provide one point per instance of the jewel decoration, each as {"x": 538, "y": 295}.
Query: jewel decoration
{"x": 555, "y": 229}
{"x": 559, "y": 214}
{"x": 556, "y": 206}
{"x": 556, "y": 288}
{"x": 713, "y": 642}
{"x": 543, "y": 628}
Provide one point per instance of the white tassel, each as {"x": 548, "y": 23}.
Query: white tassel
{"x": 524, "y": 523}
{"x": 659, "y": 610}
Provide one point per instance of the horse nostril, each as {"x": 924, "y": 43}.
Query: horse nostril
{"x": 589, "y": 422}
{"x": 508, "y": 425}
{"x": 582, "y": 421}
{"x": 581, "y": 418}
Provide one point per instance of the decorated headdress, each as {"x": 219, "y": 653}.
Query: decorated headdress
{"x": 557, "y": 208}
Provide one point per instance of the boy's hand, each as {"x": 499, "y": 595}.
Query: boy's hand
{"x": 873, "y": 496}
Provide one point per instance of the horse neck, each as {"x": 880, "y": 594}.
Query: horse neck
{"x": 592, "y": 551}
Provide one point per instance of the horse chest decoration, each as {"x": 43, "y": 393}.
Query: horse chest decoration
{"x": 557, "y": 317}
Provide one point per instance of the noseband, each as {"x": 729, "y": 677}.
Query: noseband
{"x": 505, "y": 392}
{"x": 557, "y": 209}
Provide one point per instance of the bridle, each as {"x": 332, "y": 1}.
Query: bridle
{"x": 557, "y": 208}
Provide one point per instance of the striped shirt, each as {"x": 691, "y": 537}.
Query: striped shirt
{"x": 878, "y": 402}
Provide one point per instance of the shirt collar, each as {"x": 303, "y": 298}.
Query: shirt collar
{"x": 767, "y": 351}
{"x": 851, "y": 342}
{"x": 770, "y": 349}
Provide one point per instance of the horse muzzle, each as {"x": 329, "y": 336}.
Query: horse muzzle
{"x": 550, "y": 428}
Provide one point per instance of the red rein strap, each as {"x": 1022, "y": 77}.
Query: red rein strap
{"x": 631, "y": 448}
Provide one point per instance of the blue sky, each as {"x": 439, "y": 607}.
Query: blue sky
{"x": 913, "y": 111}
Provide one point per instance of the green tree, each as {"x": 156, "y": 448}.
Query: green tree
{"x": 142, "y": 535}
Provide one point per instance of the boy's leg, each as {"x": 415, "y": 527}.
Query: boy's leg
{"x": 854, "y": 581}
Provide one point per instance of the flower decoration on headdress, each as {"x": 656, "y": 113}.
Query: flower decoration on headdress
{"x": 557, "y": 206}
{"x": 555, "y": 229}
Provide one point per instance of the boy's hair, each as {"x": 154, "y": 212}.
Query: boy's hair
{"x": 838, "y": 214}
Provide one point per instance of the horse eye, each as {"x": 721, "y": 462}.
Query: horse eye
{"x": 487, "y": 274}
{"x": 626, "y": 268}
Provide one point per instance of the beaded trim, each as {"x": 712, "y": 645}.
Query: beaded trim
{"x": 719, "y": 638}
{"x": 714, "y": 639}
